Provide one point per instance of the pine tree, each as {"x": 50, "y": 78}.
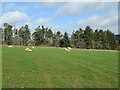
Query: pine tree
{"x": 88, "y": 37}
{"x": 66, "y": 40}
{"x": 8, "y": 34}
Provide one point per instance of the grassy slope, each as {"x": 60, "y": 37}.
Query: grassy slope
{"x": 52, "y": 67}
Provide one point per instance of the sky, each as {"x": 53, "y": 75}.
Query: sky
{"x": 62, "y": 16}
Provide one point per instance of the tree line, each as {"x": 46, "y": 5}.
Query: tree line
{"x": 85, "y": 39}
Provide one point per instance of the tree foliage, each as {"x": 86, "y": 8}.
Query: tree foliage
{"x": 8, "y": 34}
{"x": 86, "y": 39}
{"x": 24, "y": 34}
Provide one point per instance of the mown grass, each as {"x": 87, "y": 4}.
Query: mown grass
{"x": 55, "y": 68}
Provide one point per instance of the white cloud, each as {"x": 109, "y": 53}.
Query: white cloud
{"x": 39, "y": 22}
{"x": 55, "y": 28}
{"x": 42, "y": 21}
{"x": 109, "y": 21}
{"x": 50, "y": 4}
{"x": 81, "y": 8}
{"x": 51, "y": 25}
{"x": 15, "y": 18}
{"x": 101, "y": 6}
{"x": 70, "y": 9}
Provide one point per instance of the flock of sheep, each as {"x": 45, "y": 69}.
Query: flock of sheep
{"x": 68, "y": 49}
{"x": 28, "y": 49}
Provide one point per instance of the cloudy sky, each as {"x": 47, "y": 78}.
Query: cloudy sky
{"x": 63, "y": 16}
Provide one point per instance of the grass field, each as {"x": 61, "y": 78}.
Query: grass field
{"x": 56, "y": 68}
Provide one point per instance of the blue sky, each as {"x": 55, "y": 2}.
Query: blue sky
{"x": 63, "y": 16}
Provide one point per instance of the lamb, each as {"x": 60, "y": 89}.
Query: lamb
{"x": 33, "y": 47}
{"x": 27, "y": 49}
{"x": 69, "y": 48}
{"x": 66, "y": 49}
{"x": 10, "y": 46}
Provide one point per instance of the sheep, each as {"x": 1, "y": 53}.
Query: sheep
{"x": 33, "y": 47}
{"x": 27, "y": 49}
{"x": 69, "y": 48}
{"x": 66, "y": 49}
{"x": 10, "y": 46}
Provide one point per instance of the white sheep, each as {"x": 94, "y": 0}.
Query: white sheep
{"x": 33, "y": 47}
{"x": 69, "y": 48}
{"x": 10, "y": 46}
{"x": 27, "y": 49}
{"x": 66, "y": 49}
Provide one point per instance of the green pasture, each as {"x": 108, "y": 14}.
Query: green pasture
{"x": 56, "y": 68}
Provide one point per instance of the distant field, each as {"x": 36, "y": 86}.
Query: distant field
{"x": 56, "y": 68}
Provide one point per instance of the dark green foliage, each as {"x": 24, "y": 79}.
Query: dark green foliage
{"x": 8, "y": 34}
{"x": 65, "y": 40}
{"x": 38, "y": 36}
{"x": 88, "y": 37}
{"x": 1, "y": 35}
{"x": 77, "y": 39}
{"x": 49, "y": 36}
{"x": 103, "y": 42}
{"x": 42, "y": 36}
{"x": 16, "y": 40}
{"x": 111, "y": 39}
{"x": 117, "y": 39}
{"x": 57, "y": 38}
{"x": 24, "y": 34}
{"x": 96, "y": 39}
